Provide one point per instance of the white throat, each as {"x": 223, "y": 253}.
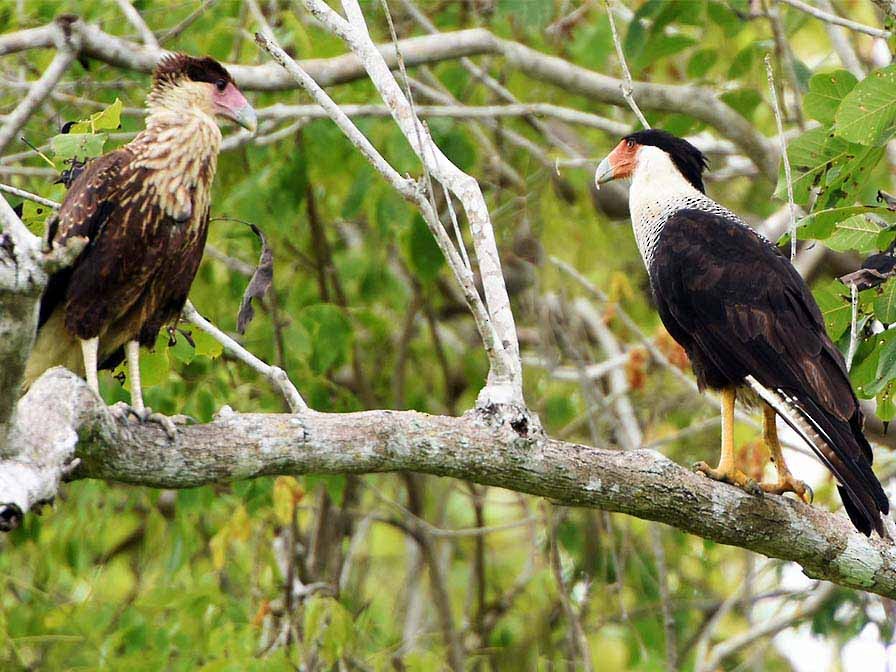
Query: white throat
{"x": 659, "y": 190}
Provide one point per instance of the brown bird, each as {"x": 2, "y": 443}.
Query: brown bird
{"x": 144, "y": 211}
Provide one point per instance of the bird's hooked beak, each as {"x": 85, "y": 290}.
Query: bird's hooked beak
{"x": 246, "y": 117}
{"x": 604, "y": 172}
{"x": 232, "y": 104}
{"x": 618, "y": 164}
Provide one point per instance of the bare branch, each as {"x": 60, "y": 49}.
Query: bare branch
{"x": 833, "y": 19}
{"x": 699, "y": 102}
{"x": 134, "y": 18}
{"x": 276, "y": 375}
{"x": 408, "y": 189}
{"x": 626, "y": 74}
{"x": 769, "y": 627}
{"x": 38, "y": 92}
{"x": 504, "y": 386}
{"x": 783, "y": 144}
{"x": 27, "y": 195}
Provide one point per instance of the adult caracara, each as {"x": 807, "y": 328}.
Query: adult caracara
{"x": 746, "y": 319}
{"x": 144, "y": 210}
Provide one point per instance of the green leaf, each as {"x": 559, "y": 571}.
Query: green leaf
{"x": 836, "y": 311}
{"x": 182, "y": 350}
{"x": 745, "y": 101}
{"x": 886, "y": 364}
{"x": 826, "y": 90}
{"x": 867, "y": 114}
{"x": 206, "y": 346}
{"x": 854, "y": 233}
{"x": 105, "y": 120}
{"x": 721, "y": 15}
{"x": 77, "y": 145}
{"x": 886, "y": 408}
{"x": 820, "y": 224}
{"x": 885, "y": 303}
{"x": 836, "y": 169}
{"x": 701, "y": 62}
{"x": 661, "y": 45}
{"x": 154, "y": 364}
{"x": 534, "y": 14}
{"x": 331, "y": 335}
{"x": 864, "y": 372}
{"x": 422, "y": 251}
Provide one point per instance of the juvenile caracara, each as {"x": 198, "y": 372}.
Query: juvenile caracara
{"x": 144, "y": 210}
{"x": 746, "y": 319}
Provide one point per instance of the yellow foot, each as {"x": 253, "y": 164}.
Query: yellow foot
{"x": 788, "y": 483}
{"x": 733, "y": 476}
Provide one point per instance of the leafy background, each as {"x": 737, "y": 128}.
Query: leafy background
{"x": 362, "y": 316}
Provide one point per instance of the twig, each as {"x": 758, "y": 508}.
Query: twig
{"x": 659, "y": 554}
{"x": 134, "y": 18}
{"x": 782, "y": 140}
{"x": 176, "y": 30}
{"x": 575, "y": 624}
{"x": 275, "y": 374}
{"x": 626, "y": 74}
{"x": 768, "y": 627}
{"x": 853, "y": 325}
{"x": 628, "y": 432}
{"x": 785, "y": 59}
{"x": 21, "y": 193}
{"x": 828, "y": 17}
{"x": 504, "y": 386}
{"x": 841, "y": 43}
{"x": 408, "y": 189}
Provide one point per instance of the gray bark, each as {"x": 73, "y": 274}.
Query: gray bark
{"x": 481, "y": 447}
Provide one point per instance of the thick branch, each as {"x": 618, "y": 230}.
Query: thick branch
{"x": 476, "y": 447}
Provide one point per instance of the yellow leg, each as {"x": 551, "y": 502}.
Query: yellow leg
{"x": 786, "y": 481}
{"x": 727, "y": 470}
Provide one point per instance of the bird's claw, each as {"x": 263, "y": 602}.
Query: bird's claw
{"x": 732, "y": 476}
{"x": 788, "y": 483}
{"x": 146, "y": 414}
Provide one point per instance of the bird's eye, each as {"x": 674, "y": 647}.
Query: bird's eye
{"x": 629, "y": 143}
{"x": 220, "y": 85}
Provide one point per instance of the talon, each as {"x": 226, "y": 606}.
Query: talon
{"x": 753, "y": 488}
{"x": 124, "y": 411}
{"x": 163, "y": 420}
{"x": 788, "y": 483}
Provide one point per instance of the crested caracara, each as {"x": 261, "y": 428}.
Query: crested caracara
{"x": 144, "y": 210}
{"x": 746, "y": 319}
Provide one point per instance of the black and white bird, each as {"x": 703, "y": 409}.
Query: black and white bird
{"x": 746, "y": 319}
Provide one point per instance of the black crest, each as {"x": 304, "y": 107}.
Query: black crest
{"x": 689, "y": 160}
{"x": 173, "y": 67}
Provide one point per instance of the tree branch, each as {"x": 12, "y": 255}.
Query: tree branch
{"x": 67, "y": 49}
{"x": 699, "y": 102}
{"x": 478, "y": 447}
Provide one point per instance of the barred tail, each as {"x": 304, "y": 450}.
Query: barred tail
{"x": 842, "y": 448}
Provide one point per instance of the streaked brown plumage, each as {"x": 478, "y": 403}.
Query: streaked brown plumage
{"x": 144, "y": 209}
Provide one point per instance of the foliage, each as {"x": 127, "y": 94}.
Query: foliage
{"x": 326, "y": 571}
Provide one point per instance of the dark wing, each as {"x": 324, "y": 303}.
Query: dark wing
{"x": 110, "y": 204}
{"x": 741, "y": 310}
{"x": 88, "y": 204}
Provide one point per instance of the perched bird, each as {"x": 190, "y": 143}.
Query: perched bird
{"x": 746, "y": 319}
{"x": 144, "y": 211}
